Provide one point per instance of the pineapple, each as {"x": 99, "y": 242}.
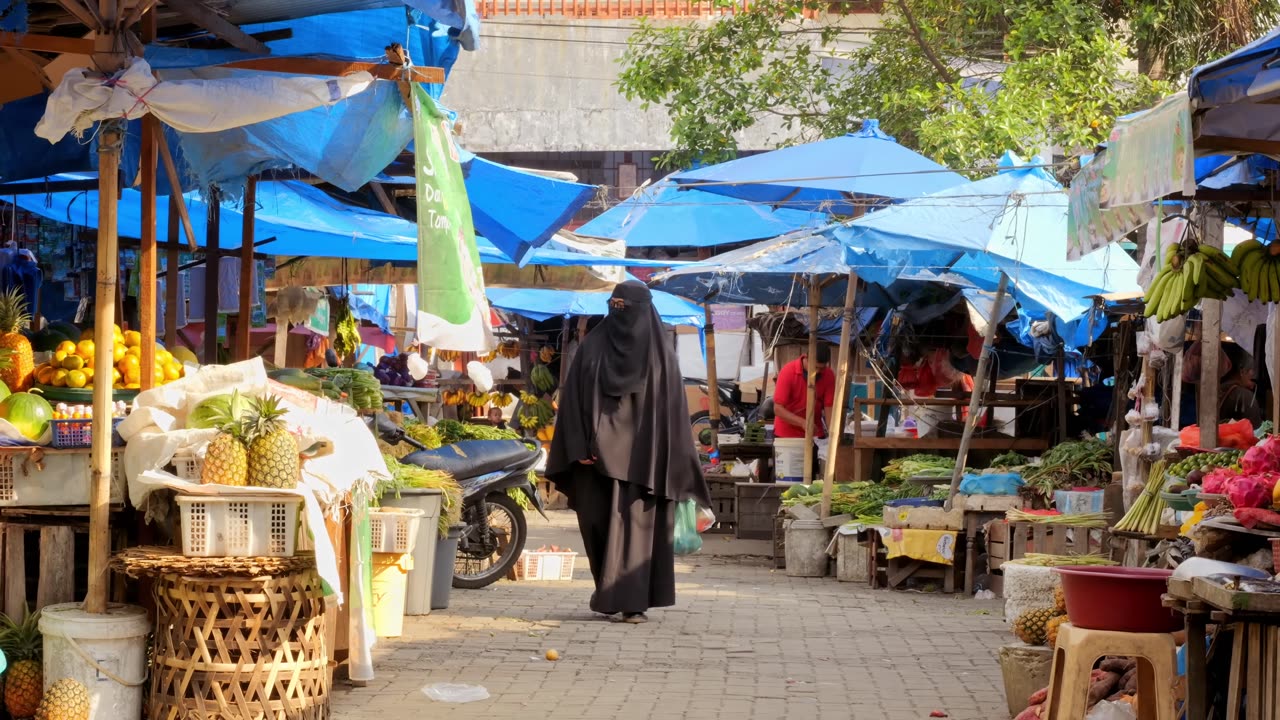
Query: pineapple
{"x": 226, "y": 460}
{"x": 1059, "y": 600}
{"x": 273, "y": 451}
{"x": 19, "y": 372}
{"x": 67, "y": 699}
{"x": 1030, "y": 625}
{"x": 24, "y": 681}
{"x": 1051, "y": 629}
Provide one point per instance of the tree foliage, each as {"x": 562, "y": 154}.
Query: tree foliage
{"x": 959, "y": 80}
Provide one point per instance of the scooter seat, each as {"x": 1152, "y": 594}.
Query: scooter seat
{"x": 474, "y": 458}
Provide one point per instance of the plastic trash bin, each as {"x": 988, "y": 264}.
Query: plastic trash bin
{"x": 446, "y": 553}
{"x": 419, "y": 591}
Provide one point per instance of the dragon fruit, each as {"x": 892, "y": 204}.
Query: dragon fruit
{"x": 1252, "y": 491}
{"x": 1263, "y": 457}
{"x": 1216, "y": 482}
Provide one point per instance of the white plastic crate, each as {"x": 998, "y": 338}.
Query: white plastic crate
{"x": 394, "y": 530}
{"x": 540, "y": 565}
{"x": 187, "y": 466}
{"x": 239, "y": 525}
{"x": 60, "y": 477}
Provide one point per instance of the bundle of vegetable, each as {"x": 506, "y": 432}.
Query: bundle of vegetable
{"x": 1047, "y": 560}
{"x": 1084, "y": 520}
{"x": 1009, "y": 460}
{"x": 921, "y": 465}
{"x": 1070, "y": 464}
{"x": 452, "y": 431}
{"x": 863, "y": 500}
{"x": 412, "y": 476}
{"x": 423, "y": 433}
{"x": 1144, "y": 516}
{"x": 358, "y": 388}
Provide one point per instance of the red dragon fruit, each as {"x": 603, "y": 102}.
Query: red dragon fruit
{"x": 1263, "y": 457}
{"x": 1252, "y": 491}
{"x": 1216, "y": 482}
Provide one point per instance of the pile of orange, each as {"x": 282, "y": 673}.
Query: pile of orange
{"x": 72, "y": 364}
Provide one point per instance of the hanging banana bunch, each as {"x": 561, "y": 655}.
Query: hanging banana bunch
{"x": 1194, "y": 271}
{"x": 501, "y": 399}
{"x": 509, "y": 349}
{"x": 1259, "y": 267}
{"x": 546, "y": 354}
{"x": 542, "y": 378}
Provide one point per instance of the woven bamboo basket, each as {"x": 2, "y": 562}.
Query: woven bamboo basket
{"x": 238, "y": 648}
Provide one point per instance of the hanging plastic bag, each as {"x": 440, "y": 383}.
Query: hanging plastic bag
{"x": 706, "y": 519}
{"x": 687, "y": 539}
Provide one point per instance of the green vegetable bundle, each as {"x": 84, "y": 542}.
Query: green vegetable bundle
{"x": 1010, "y": 460}
{"x": 452, "y": 431}
{"x": 861, "y": 500}
{"x": 1045, "y": 560}
{"x": 1070, "y": 464}
{"x": 359, "y": 388}
{"x": 411, "y": 476}
{"x": 898, "y": 470}
{"x": 1144, "y": 515}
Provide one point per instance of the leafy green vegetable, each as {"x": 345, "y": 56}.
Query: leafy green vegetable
{"x": 1009, "y": 460}
{"x": 411, "y": 476}
{"x": 899, "y": 470}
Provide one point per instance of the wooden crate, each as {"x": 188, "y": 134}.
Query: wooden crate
{"x": 1010, "y": 541}
{"x": 724, "y": 501}
{"x": 757, "y": 506}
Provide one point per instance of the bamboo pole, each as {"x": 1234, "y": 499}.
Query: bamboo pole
{"x": 836, "y": 431}
{"x": 147, "y": 259}
{"x": 1210, "y": 342}
{"x": 171, "y": 277}
{"x": 110, "y": 140}
{"x": 713, "y": 380}
{"x": 246, "y": 269}
{"x": 979, "y": 383}
{"x": 811, "y": 413}
{"x": 211, "y": 262}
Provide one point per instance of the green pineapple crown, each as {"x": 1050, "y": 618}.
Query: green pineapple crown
{"x": 13, "y": 311}
{"x": 21, "y": 640}
{"x": 231, "y": 418}
{"x": 265, "y": 417}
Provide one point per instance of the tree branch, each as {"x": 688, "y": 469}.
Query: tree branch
{"x": 944, "y": 72}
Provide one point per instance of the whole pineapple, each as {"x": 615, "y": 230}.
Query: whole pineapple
{"x": 273, "y": 451}
{"x": 67, "y": 699}
{"x": 18, "y": 373}
{"x": 1059, "y": 600}
{"x": 24, "y": 680}
{"x": 1051, "y": 629}
{"x": 1030, "y": 625}
{"x": 226, "y": 460}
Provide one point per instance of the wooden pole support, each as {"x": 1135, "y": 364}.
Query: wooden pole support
{"x": 1211, "y": 224}
{"x": 979, "y": 383}
{"x": 147, "y": 260}
{"x": 713, "y": 380}
{"x": 246, "y": 270}
{"x": 212, "y": 257}
{"x": 171, "y": 277}
{"x": 811, "y": 412}
{"x": 110, "y": 140}
{"x": 836, "y": 431}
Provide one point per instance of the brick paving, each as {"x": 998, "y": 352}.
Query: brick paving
{"x": 744, "y": 642}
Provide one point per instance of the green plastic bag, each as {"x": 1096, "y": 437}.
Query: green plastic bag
{"x": 687, "y": 539}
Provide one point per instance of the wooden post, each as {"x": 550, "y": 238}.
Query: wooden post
{"x": 171, "y": 286}
{"x": 246, "y": 270}
{"x": 1210, "y": 342}
{"x": 282, "y": 341}
{"x": 836, "y": 431}
{"x": 713, "y": 382}
{"x": 565, "y": 334}
{"x": 1274, "y": 370}
{"x": 147, "y": 259}
{"x": 1061, "y": 387}
{"x": 110, "y": 139}
{"x": 57, "y": 566}
{"x": 15, "y": 572}
{"x": 211, "y": 262}
{"x": 811, "y": 412}
{"x": 979, "y": 382}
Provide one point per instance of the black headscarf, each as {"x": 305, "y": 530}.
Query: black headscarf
{"x": 623, "y": 405}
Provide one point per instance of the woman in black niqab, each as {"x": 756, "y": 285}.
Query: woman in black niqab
{"x": 623, "y": 455}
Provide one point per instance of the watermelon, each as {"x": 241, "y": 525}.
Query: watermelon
{"x": 27, "y": 412}
{"x": 65, "y": 328}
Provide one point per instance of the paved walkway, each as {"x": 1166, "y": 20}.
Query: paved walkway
{"x": 744, "y": 642}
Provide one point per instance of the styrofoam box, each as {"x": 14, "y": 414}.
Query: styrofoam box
{"x": 59, "y": 478}
{"x": 239, "y": 525}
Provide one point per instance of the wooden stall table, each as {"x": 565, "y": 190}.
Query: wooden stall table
{"x": 235, "y": 637}
{"x": 1254, "y": 681}
{"x": 1195, "y": 617}
{"x": 420, "y": 400}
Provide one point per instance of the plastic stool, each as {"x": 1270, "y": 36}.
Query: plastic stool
{"x": 1077, "y": 651}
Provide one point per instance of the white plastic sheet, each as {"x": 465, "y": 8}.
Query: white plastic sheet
{"x": 224, "y": 100}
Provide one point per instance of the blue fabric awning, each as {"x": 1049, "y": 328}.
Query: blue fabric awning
{"x": 823, "y": 176}
{"x": 663, "y": 215}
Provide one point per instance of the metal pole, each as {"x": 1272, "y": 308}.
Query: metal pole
{"x": 713, "y": 381}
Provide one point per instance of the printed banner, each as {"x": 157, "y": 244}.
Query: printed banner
{"x": 453, "y": 313}
{"x": 1089, "y": 226}
{"x": 1150, "y": 156}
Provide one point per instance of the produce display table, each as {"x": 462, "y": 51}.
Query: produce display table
{"x": 1195, "y": 616}
{"x": 235, "y": 637}
{"x": 418, "y": 398}
{"x": 1254, "y": 619}
{"x": 864, "y": 448}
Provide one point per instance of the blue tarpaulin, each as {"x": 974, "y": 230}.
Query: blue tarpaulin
{"x": 663, "y": 215}
{"x": 1231, "y": 97}
{"x": 823, "y": 176}
{"x": 544, "y": 304}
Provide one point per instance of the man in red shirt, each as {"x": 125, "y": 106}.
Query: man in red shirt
{"x": 791, "y": 396}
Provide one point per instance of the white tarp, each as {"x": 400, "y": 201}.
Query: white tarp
{"x": 227, "y": 100}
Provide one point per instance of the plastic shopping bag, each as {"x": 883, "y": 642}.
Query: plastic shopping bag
{"x": 687, "y": 539}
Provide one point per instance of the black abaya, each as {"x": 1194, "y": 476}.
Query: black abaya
{"x": 627, "y": 538}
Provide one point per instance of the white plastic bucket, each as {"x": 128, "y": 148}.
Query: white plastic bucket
{"x": 105, "y": 653}
{"x": 807, "y": 542}
{"x": 788, "y": 459}
{"x": 421, "y": 580}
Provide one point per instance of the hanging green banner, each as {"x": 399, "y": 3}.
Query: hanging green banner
{"x": 453, "y": 313}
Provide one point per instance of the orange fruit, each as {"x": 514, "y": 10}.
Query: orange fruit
{"x": 133, "y": 338}
{"x": 132, "y": 386}
{"x": 60, "y": 377}
{"x": 59, "y": 356}
{"x": 132, "y": 376}
{"x": 73, "y": 362}
{"x": 76, "y": 379}
{"x": 117, "y": 353}
{"x": 553, "y": 655}
{"x": 130, "y": 362}
{"x": 44, "y": 374}
{"x": 116, "y": 375}
{"x": 84, "y": 348}
{"x": 172, "y": 372}
{"x": 66, "y": 347}
{"x": 135, "y": 351}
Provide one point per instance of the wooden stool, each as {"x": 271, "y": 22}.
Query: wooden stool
{"x": 1077, "y": 651}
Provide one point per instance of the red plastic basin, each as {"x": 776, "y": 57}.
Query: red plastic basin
{"x": 1118, "y": 598}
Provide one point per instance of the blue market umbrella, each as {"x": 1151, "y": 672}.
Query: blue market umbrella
{"x": 825, "y": 176}
{"x": 664, "y": 215}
